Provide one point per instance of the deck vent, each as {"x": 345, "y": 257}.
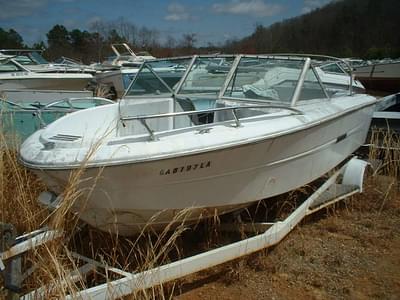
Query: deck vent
{"x": 65, "y": 137}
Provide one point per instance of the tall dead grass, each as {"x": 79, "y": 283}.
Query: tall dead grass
{"x": 54, "y": 261}
{"x": 385, "y": 148}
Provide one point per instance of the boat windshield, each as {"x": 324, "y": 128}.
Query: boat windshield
{"x": 8, "y": 66}
{"x": 333, "y": 68}
{"x": 148, "y": 84}
{"x": 311, "y": 88}
{"x": 30, "y": 58}
{"x": 206, "y": 75}
{"x": 265, "y": 78}
{"x": 170, "y": 70}
{"x": 39, "y": 59}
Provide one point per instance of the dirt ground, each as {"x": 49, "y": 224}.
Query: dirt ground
{"x": 351, "y": 251}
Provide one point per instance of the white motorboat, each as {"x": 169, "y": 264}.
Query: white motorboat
{"x": 13, "y": 75}
{"x": 149, "y": 156}
{"x": 124, "y": 57}
{"x": 335, "y": 77}
{"x": 32, "y": 60}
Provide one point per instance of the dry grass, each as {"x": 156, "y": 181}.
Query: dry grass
{"x": 19, "y": 190}
{"x": 104, "y": 91}
{"x": 385, "y": 146}
{"x": 347, "y": 251}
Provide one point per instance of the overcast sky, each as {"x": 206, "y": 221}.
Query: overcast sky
{"x": 211, "y": 21}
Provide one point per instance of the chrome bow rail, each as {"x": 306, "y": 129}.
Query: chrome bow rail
{"x": 66, "y": 109}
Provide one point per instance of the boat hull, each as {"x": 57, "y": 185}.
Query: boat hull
{"x": 128, "y": 197}
{"x": 390, "y": 85}
{"x": 50, "y": 83}
{"x": 380, "y": 77}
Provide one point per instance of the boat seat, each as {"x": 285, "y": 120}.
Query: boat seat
{"x": 186, "y": 104}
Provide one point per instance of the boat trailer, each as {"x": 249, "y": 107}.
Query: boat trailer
{"x": 348, "y": 180}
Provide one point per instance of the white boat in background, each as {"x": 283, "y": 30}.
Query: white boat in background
{"x": 13, "y": 75}
{"x": 124, "y": 57}
{"x": 32, "y": 60}
{"x": 150, "y": 156}
{"x": 335, "y": 77}
{"x": 383, "y": 76}
{"x": 19, "y": 119}
{"x": 117, "y": 81}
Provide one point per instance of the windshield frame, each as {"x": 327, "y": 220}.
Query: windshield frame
{"x": 148, "y": 65}
{"x": 177, "y": 92}
{"x": 289, "y": 57}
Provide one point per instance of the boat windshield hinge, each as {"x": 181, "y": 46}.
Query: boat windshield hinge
{"x": 151, "y": 132}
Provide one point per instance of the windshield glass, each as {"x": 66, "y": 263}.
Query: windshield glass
{"x": 311, "y": 88}
{"x": 146, "y": 83}
{"x": 170, "y": 70}
{"x": 24, "y": 60}
{"x": 8, "y": 66}
{"x": 333, "y": 68}
{"x": 38, "y": 58}
{"x": 30, "y": 58}
{"x": 270, "y": 78}
{"x": 207, "y": 75}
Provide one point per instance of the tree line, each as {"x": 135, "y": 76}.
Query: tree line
{"x": 94, "y": 45}
{"x": 346, "y": 28}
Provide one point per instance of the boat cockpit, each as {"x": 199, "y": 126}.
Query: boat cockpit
{"x": 219, "y": 88}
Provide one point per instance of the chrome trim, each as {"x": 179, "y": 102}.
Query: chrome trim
{"x": 189, "y": 113}
{"x": 194, "y": 112}
{"x": 237, "y": 121}
{"x": 228, "y": 78}
{"x": 300, "y": 82}
{"x": 151, "y": 132}
{"x": 38, "y": 112}
{"x": 320, "y": 82}
{"x": 183, "y": 79}
{"x": 350, "y": 72}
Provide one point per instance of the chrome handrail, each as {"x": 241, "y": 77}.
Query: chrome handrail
{"x": 143, "y": 118}
{"x": 71, "y": 108}
{"x": 300, "y": 82}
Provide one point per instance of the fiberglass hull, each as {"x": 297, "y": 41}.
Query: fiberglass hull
{"x": 128, "y": 197}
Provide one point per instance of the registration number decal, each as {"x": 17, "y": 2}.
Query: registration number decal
{"x": 187, "y": 168}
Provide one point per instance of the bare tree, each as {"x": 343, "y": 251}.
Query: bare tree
{"x": 170, "y": 42}
{"x": 188, "y": 40}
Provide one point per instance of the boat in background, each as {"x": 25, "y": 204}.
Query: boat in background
{"x": 41, "y": 97}
{"x": 21, "y": 119}
{"x": 335, "y": 77}
{"x": 124, "y": 57}
{"x": 35, "y": 62}
{"x": 381, "y": 76}
{"x": 13, "y": 75}
{"x": 116, "y": 82}
{"x": 156, "y": 157}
